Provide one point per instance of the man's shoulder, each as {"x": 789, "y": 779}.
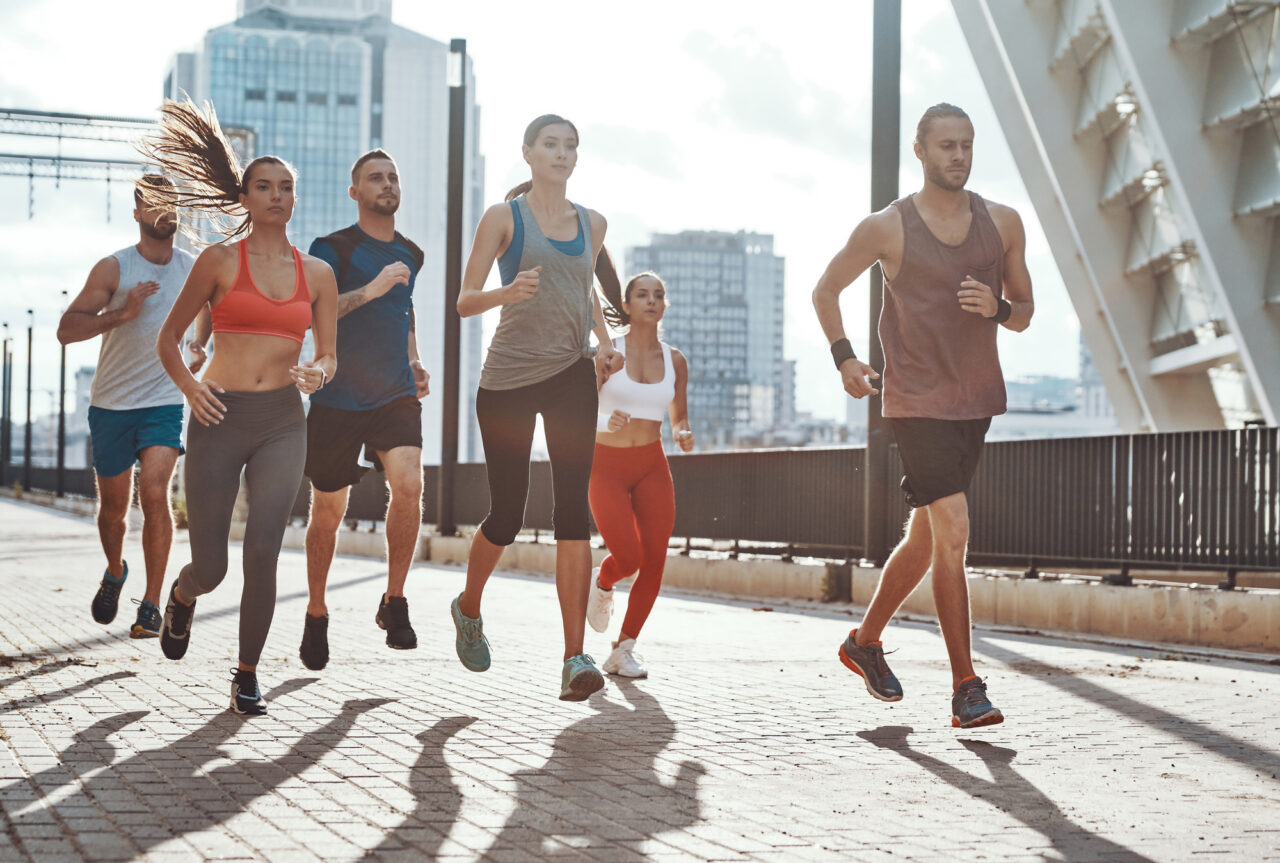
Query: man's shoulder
{"x": 346, "y": 238}
{"x": 412, "y": 248}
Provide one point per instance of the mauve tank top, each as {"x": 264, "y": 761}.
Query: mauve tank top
{"x": 939, "y": 360}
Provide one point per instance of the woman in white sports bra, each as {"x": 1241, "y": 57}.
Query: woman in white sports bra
{"x": 632, "y": 499}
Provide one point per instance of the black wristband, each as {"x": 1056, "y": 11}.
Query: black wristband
{"x": 1003, "y": 311}
{"x": 841, "y": 350}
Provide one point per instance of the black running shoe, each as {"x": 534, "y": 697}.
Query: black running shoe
{"x": 315, "y": 642}
{"x": 245, "y": 697}
{"x": 970, "y": 707}
{"x": 393, "y": 616}
{"x": 107, "y": 600}
{"x": 175, "y": 632}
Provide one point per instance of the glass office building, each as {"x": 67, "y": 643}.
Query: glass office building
{"x": 726, "y": 316}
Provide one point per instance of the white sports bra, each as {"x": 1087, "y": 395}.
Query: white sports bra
{"x": 641, "y": 401}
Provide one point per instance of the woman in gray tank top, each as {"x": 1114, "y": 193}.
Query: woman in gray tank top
{"x": 539, "y": 362}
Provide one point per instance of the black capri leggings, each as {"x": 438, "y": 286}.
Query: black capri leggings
{"x": 567, "y": 402}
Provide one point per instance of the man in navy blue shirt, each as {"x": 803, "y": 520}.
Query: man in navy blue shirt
{"x": 372, "y": 403}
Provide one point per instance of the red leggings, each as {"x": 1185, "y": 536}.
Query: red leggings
{"x": 634, "y": 505}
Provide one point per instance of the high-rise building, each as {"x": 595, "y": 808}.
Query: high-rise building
{"x": 726, "y": 315}
{"x": 318, "y": 82}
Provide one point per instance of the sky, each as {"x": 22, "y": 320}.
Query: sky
{"x": 693, "y": 116}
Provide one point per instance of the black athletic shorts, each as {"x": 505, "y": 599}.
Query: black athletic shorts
{"x": 335, "y": 438}
{"x": 939, "y": 457}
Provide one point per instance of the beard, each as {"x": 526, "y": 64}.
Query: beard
{"x": 385, "y": 207}
{"x": 939, "y": 177}
{"x": 159, "y": 231}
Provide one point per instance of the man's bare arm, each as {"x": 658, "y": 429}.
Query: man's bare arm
{"x": 1017, "y": 278}
{"x": 391, "y": 275}
{"x": 85, "y": 317}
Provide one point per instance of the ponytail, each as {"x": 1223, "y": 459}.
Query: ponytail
{"x": 519, "y": 190}
{"x": 611, "y": 287}
{"x": 190, "y": 146}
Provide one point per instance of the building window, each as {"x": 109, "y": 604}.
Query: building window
{"x": 317, "y": 99}
{"x": 286, "y": 96}
{"x": 346, "y": 99}
{"x": 253, "y": 94}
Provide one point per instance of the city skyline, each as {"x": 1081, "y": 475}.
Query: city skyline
{"x": 763, "y": 127}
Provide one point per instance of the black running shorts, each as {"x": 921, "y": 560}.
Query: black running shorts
{"x": 335, "y": 438}
{"x": 939, "y": 457}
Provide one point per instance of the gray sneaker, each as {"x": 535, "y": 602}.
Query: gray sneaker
{"x": 472, "y": 646}
{"x": 868, "y": 663}
{"x": 970, "y": 707}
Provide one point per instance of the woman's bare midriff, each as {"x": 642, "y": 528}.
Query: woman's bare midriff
{"x": 243, "y": 362}
{"x": 634, "y": 433}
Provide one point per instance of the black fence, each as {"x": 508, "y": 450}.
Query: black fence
{"x": 1208, "y": 500}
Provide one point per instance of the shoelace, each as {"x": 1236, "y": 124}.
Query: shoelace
{"x": 878, "y": 654}
{"x": 470, "y": 629}
{"x": 974, "y": 692}
{"x": 251, "y": 695}
{"x": 632, "y": 656}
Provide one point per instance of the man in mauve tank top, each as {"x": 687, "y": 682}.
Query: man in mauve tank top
{"x": 955, "y": 270}
{"x": 135, "y": 410}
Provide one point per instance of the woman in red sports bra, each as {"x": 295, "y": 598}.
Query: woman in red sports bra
{"x": 246, "y": 412}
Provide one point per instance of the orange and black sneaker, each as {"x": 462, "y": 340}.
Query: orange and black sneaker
{"x": 970, "y": 707}
{"x": 867, "y": 661}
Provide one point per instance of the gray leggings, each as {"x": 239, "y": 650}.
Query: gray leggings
{"x": 265, "y": 434}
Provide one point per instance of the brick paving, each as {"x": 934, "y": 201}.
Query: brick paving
{"x": 750, "y": 742}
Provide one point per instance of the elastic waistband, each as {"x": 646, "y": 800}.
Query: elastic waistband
{"x": 629, "y": 454}
{"x": 263, "y": 401}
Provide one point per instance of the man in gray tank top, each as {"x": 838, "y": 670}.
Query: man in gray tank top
{"x": 955, "y": 271}
{"x": 135, "y": 410}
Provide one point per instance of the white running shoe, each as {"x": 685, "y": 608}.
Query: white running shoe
{"x": 623, "y": 661}
{"x": 599, "y": 604}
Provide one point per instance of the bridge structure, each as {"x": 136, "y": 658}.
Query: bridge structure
{"x": 1148, "y": 136}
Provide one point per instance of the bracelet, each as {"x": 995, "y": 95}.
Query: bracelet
{"x": 841, "y": 350}
{"x": 1003, "y": 310}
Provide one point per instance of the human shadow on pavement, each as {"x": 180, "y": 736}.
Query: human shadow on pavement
{"x": 1010, "y": 792}
{"x": 1194, "y": 731}
{"x": 42, "y": 668}
{"x": 169, "y": 791}
{"x": 600, "y": 788}
{"x": 436, "y": 799}
{"x": 39, "y": 698}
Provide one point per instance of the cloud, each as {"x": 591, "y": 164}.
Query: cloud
{"x": 760, "y": 94}
{"x": 654, "y": 152}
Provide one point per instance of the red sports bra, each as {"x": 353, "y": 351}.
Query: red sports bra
{"x": 245, "y": 309}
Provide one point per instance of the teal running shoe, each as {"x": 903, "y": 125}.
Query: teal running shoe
{"x": 580, "y": 678}
{"x": 107, "y": 600}
{"x": 147, "y": 624}
{"x": 472, "y": 646}
{"x": 970, "y": 707}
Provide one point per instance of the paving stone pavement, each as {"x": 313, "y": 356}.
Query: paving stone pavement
{"x": 749, "y": 741}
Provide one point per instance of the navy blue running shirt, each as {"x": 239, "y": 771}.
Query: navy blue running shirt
{"x": 373, "y": 340}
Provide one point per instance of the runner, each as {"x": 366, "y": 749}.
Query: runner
{"x": 246, "y": 411}
{"x": 135, "y": 411}
{"x": 538, "y": 363}
{"x": 371, "y": 405}
{"x": 955, "y": 271}
{"x": 632, "y": 499}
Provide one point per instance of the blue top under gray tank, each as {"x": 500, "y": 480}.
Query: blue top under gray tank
{"x": 542, "y": 336}
{"x": 373, "y": 340}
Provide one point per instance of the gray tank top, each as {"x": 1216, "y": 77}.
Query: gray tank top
{"x": 129, "y": 374}
{"x": 547, "y": 333}
{"x": 939, "y": 360}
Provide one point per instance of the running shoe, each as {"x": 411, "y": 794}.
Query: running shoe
{"x": 315, "y": 642}
{"x": 393, "y": 616}
{"x": 107, "y": 600}
{"x": 970, "y": 707}
{"x": 580, "y": 678}
{"x": 147, "y": 624}
{"x": 175, "y": 631}
{"x": 868, "y": 663}
{"x": 472, "y": 646}
{"x": 599, "y": 604}
{"x": 246, "y": 699}
{"x": 623, "y": 661}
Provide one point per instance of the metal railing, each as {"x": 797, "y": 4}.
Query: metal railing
{"x": 1208, "y": 500}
